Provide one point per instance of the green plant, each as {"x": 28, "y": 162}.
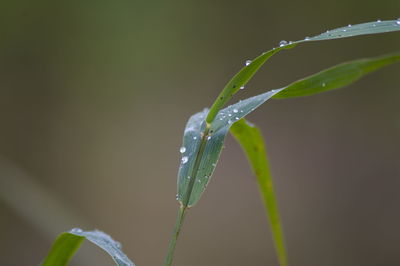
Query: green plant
{"x": 205, "y": 133}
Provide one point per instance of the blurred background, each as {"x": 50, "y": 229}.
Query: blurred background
{"x": 94, "y": 97}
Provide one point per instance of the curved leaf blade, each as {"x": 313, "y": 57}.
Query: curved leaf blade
{"x": 358, "y": 29}
{"x": 206, "y": 149}
{"x": 251, "y": 140}
{"x": 63, "y": 249}
{"x": 68, "y": 243}
{"x": 203, "y": 143}
{"x": 239, "y": 81}
{"x": 246, "y": 73}
{"x": 336, "y": 77}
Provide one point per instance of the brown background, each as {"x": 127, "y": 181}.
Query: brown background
{"x": 94, "y": 96}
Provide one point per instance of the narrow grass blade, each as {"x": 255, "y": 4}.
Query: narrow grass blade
{"x": 202, "y": 143}
{"x": 251, "y": 140}
{"x": 201, "y": 151}
{"x": 68, "y": 243}
{"x": 63, "y": 249}
{"x": 336, "y": 77}
{"x": 248, "y": 71}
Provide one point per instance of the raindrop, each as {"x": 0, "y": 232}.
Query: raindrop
{"x": 184, "y": 159}
{"x": 182, "y": 149}
{"x": 117, "y": 244}
{"x": 349, "y": 25}
{"x": 242, "y": 87}
{"x": 76, "y": 230}
{"x": 248, "y": 62}
{"x": 236, "y": 118}
{"x": 229, "y": 114}
{"x": 241, "y": 111}
{"x": 282, "y": 43}
{"x": 235, "y": 110}
{"x": 229, "y": 122}
{"x": 194, "y": 138}
{"x": 378, "y": 20}
{"x": 344, "y": 30}
{"x": 209, "y": 137}
{"x": 398, "y": 21}
{"x": 307, "y": 38}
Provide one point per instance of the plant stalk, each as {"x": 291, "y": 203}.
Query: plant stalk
{"x": 175, "y": 235}
{"x": 186, "y": 199}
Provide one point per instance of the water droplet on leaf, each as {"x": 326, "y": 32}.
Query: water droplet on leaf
{"x": 184, "y": 159}
{"x": 282, "y": 43}
{"x": 248, "y": 62}
{"x": 182, "y": 149}
{"x": 76, "y": 230}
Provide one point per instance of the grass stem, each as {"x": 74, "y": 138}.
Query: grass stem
{"x": 175, "y": 235}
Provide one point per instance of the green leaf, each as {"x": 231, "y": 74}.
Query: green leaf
{"x": 337, "y": 76}
{"x": 248, "y": 71}
{"x": 63, "y": 249}
{"x": 201, "y": 150}
{"x": 251, "y": 140}
{"x": 203, "y": 142}
{"x": 68, "y": 243}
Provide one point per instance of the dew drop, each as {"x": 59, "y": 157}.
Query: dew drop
{"x": 349, "y": 25}
{"x": 194, "y": 138}
{"x": 182, "y": 149}
{"x": 282, "y": 43}
{"x": 242, "y": 87}
{"x": 117, "y": 244}
{"x": 235, "y": 110}
{"x": 398, "y": 21}
{"x": 214, "y": 164}
{"x": 307, "y": 38}
{"x": 177, "y": 197}
{"x": 229, "y": 122}
{"x": 248, "y": 62}
{"x": 184, "y": 159}
{"x": 323, "y": 84}
{"x": 236, "y": 118}
{"x": 229, "y": 114}
{"x": 379, "y": 20}
{"x": 199, "y": 181}
{"x": 188, "y": 177}
{"x": 209, "y": 137}
{"x": 76, "y": 230}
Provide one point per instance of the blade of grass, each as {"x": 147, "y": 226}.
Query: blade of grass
{"x": 202, "y": 128}
{"x": 251, "y": 141}
{"x": 247, "y": 72}
{"x": 63, "y": 249}
{"x": 336, "y": 77}
{"x": 68, "y": 243}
